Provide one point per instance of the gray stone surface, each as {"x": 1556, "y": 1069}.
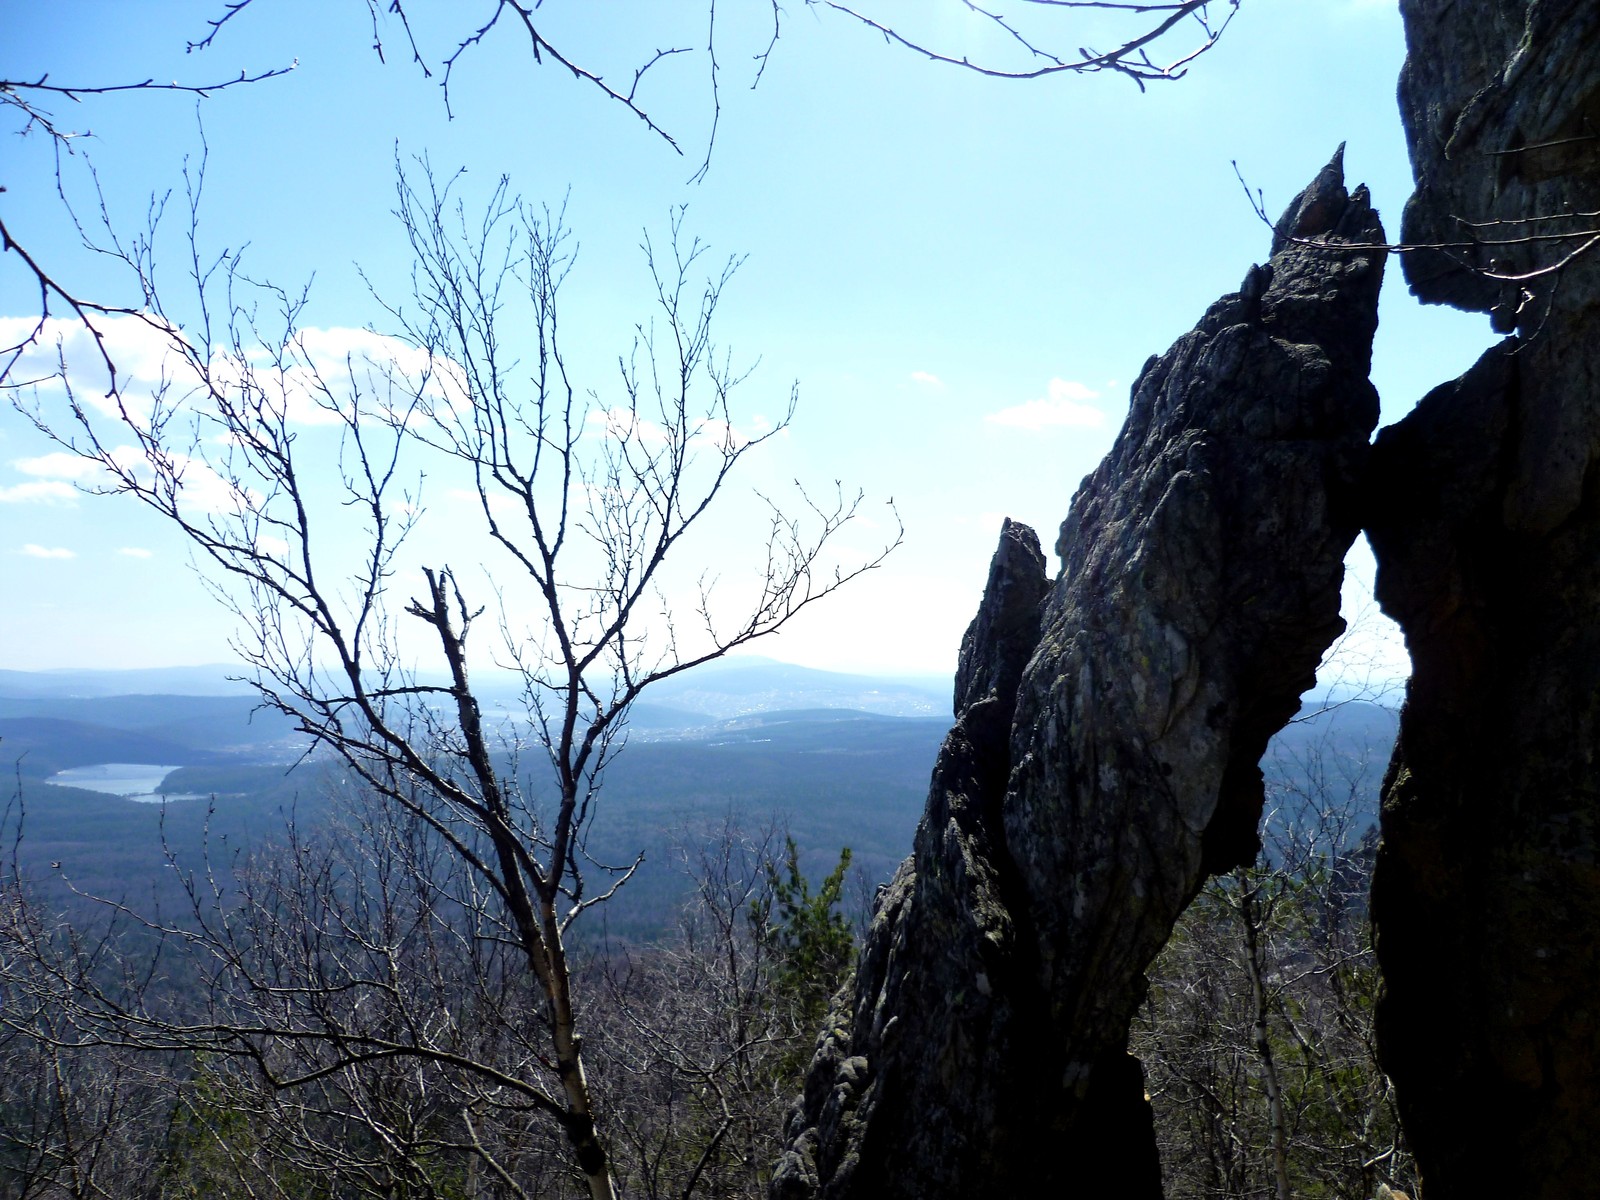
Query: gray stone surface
{"x": 1485, "y": 520}
{"x": 1501, "y": 114}
{"x": 1079, "y": 801}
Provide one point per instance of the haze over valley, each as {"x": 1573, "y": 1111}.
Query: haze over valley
{"x": 835, "y": 759}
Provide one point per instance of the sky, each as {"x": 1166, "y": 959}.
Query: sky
{"x": 963, "y": 275}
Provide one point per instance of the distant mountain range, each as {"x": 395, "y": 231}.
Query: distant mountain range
{"x": 837, "y": 759}
{"x": 57, "y": 732}
{"x": 79, "y": 683}
{"x": 196, "y": 716}
{"x": 734, "y": 687}
{"x": 723, "y": 688}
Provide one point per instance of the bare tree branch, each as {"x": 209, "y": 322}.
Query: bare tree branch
{"x": 589, "y": 505}
{"x": 1130, "y": 56}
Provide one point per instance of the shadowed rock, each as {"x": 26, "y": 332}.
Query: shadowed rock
{"x": 1080, "y": 800}
{"x": 1485, "y": 520}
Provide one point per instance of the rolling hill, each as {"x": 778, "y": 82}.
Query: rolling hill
{"x": 760, "y": 744}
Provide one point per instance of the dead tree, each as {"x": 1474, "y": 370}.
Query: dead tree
{"x": 1144, "y": 41}
{"x": 1257, "y": 1032}
{"x": 587, "y": 507}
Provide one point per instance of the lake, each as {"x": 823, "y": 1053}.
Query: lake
{"x": 131, "y": 781}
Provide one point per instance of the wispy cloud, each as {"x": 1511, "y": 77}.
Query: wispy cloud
{"x": 1065, "y": 403}
{"x": 149, "y": 356}
{"x": 136, "y": 552}
{"x": 58, "y": 465}
{"x": 927, "y": 377}
{"x": 201, "y": 488}
{"x": 273, "y": 547}
{"x": 34, "y": 551}
{"x": 315, "y": 380}
{"x": 335, "y": 368}
{"x": 39, "y": 491}
{"x": 500, "y": 504}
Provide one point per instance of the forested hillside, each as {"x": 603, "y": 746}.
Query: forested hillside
{"x": 831, "y": 777}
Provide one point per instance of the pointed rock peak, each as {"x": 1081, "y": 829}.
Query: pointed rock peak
{"x": 1318, "y": 209}
{"x": 1003, "y": 635}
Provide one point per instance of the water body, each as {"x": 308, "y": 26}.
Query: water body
{"x": 131, "y": 781}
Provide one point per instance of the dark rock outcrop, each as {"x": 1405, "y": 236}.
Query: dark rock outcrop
{"x": 1485, "y": 520}
{"x": 1501, "y": 105}
{"x": 931, "y": 1013}
{"x": 1080, "y": 800}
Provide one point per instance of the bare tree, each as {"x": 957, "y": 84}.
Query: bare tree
{"x": 1257, "y": 1034}
{"x": 1052, "y": 40}
{"x": 26, "y": 110}
{"x": 588, "y": 506}
{"x": 1137, "y": 39}
{"x": 77, "y": 1119}
{"x": 706, "y": 1041}
{"x": 345, "y": 1015}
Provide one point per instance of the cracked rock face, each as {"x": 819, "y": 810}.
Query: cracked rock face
{"x": 1501, "y": 105}
{"x": 1104, "y": 756}
{"x": 1485, "y": 521}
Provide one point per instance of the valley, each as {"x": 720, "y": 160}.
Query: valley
{"x": 836, "y": 760}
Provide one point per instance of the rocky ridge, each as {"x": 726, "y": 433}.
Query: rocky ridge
{"x": 1103, "y": 759}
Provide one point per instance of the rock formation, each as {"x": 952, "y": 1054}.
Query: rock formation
{"x": 1485, "y": 519}
{"x": 1104, "y": 755}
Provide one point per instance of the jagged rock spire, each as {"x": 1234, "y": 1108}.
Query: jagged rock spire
{"x": 1078, "y": 802}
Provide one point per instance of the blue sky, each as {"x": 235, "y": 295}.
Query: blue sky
{"x": 963, "y": 274}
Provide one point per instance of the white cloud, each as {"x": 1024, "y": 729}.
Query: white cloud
{"x": 927, "y": 377}
{"x": 314, "y": 381}
{"x": 501, "y": 504}
{"x": 385, "y": 374}
{"x": 272, "y": 547}
{"x": 724, "y": 435}
{"x": 203, "y": 490}
{"x": 39, "y": 491}
{"x": 200, "y": 489}
{"x": 622, "y": 424}
{"x": 58, "y": 465}
{"x": 148, "y": 355}
{"x": 135, "y": 552}
{"x": 33, "y": 551}
{"x": 1066, "y": 403}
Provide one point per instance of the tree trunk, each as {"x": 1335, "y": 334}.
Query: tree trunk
{"x": 1269, "y": 1066}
